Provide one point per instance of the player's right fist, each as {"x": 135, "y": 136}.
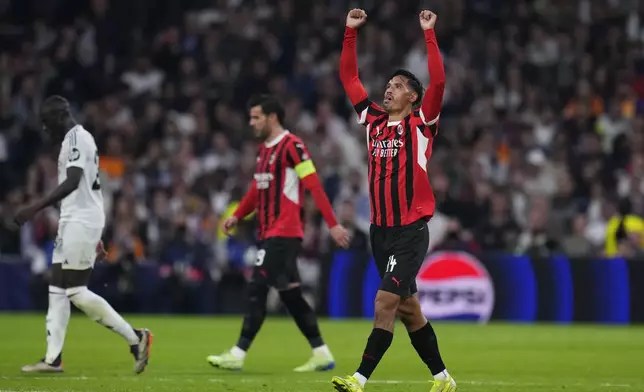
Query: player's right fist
{"x": 356, "y": 18}
{"x": 229, "y": 224}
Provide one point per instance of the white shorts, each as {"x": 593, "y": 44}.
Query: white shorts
{"x": 75, "y": 246}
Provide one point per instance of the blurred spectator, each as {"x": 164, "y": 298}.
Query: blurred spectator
{"x": 624, "y": 232}
{"x": 576, "y": 244}
{"x": 542, "y": 121}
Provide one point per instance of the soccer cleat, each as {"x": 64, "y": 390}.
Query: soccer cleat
{"x": 141, "y": 351}
{"x": 43, "y": 367}
{"x": 317, "y": 363}
{"x": 448, "y": 385}
{"x": 226, "y": 361}
{"x": 347, "y": 384}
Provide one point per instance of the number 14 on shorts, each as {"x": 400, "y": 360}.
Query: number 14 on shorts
{"x": 391, "y": 264}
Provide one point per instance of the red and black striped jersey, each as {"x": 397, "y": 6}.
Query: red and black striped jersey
{"x": 284, "y": 168}
{"x": 399, "y": 185}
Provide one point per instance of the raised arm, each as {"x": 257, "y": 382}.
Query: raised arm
{"x": 349, "y": 58}
{"x": 433, "y": 100}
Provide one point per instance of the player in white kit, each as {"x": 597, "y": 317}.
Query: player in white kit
{"x": 78, "y": 242}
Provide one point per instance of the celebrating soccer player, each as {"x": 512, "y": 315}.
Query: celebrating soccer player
{"x": 399, "y": 136}
{"x": 284, "y": 169}
{"x": 78, "y": 243}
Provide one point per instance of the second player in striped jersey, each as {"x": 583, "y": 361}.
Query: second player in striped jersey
{"x": 284, "y": 169}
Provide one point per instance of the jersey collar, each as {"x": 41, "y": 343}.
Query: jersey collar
{"x": 278, "y": 139}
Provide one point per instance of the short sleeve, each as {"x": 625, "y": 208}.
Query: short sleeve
{"x": 79, "y": 153}
{"x": 368, "y": 112}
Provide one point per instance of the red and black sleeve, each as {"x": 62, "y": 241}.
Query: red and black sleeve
{"x": 433, "y": 100}
{"x": 248, "y": 204}
{"x": 301, "y": 162}
{"x": 367, "y": 110}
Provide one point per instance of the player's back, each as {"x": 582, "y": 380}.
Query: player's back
{"x": 399, "y": 185}
{"x": 280, "y": 191}
{"x": 85, "y": 204}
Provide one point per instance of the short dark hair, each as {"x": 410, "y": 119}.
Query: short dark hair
{"x": 55, "y": 103}
{"x": 269, "y": 105}
{"x": 413, "y": 82}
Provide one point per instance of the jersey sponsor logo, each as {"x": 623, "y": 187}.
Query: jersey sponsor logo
{"x": 74, "y": 155}
{"x": 386, "y": 148}
{"x": 455, "y": 285}
{"x": 263, "y": 180}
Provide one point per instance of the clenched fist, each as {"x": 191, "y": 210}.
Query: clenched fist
{"x": 427, "y": 19}
{"x": 229, "y": 224}
{"x": 356, "y": 18}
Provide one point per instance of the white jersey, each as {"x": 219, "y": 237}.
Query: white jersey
{"x": 85, "y": 204}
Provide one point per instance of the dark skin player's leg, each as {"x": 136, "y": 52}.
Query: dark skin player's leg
{"x": 66, "y": 279}
{"x": 385, "y": 310}
{"x": 410, "y": 314}
{"x": 56, "y": 279}
{"x": 76, "y": 278}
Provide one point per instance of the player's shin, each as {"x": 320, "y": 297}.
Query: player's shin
{"x": 100, "y": 311}
{"x": 254, "y": 318}
{"x": 57, "y": 320}
{"x": 422, "y": 337}
{"x": 426, "y": 344}
{"x": 304, "y": 316}
{"x": 381, "y": 336}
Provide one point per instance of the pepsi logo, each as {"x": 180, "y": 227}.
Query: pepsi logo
{"x": 455, "y": 285}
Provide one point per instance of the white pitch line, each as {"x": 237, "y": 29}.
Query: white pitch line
{"x": 258, "y": 380}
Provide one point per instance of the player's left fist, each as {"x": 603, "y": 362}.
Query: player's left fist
{"x": 24, "y": 214}
{"x": 427, "y": 19}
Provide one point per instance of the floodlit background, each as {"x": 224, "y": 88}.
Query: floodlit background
{"x": 538, "y": 172}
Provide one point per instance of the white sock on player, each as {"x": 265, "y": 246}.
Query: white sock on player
{"x": 57, "y": 320}
{"x": 100, "y": 311}
{"x": 323, "y": 351}
{"x": 361, "y": 379}
{"x": 238, "y": 352}
{"x": 442, "y": 376}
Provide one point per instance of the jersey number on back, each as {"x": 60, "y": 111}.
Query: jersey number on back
{"x": 96, "y": 186}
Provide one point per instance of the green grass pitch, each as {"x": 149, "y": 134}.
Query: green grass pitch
{"x": 496, "y": 357}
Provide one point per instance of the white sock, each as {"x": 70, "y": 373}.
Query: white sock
{"x": 57, "y": 320}
{"x": 442, "y": 376}
{"x": 238, "y": 352}
{"x": 361, "y": 379}
{"x": 322, "y": 351}
{"x": 100, "y": 311}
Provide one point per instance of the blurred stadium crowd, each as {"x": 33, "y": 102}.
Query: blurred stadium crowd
{"x": 541, "y": 147}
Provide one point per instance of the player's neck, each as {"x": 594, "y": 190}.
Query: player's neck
{"x": 69, "y": 124}
{"x": 275, "y": 133}
{"x": 399, "y": 115}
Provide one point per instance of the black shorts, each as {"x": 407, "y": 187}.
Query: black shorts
{"x": 276, "y": 263}
{"x": 399, "y": 253}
